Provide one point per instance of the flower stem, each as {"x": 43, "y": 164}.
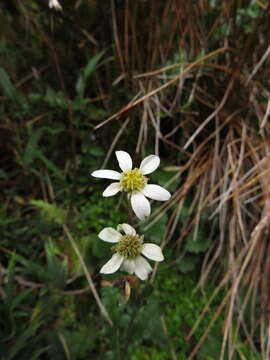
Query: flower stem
{"x": 130, "y": 213}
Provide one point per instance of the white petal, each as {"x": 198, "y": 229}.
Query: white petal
{"x": 55, "y": 4}
{"x": 153, "y": 252}
{"x": 112, "y": 265}
{"x": 142, "y": 268}
{"x": 124, "y": 160}
{"x": 107, "y": 174}
{"x": 149, "y": 164}
{"x": 140, "y": 205}
{"x": 156, "y": 192}
{"x": 112, "y": 189}
{"x": 129, "y": 230}
{"x": 110, "y": 235}
{"x": 128, "y": 265}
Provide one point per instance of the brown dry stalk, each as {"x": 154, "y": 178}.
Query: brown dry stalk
{"x": 162, "y": 87}
{"x": 103, "y": 310}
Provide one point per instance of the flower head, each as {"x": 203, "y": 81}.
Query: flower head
{"x": 55, "y": 4}
{"x": 127, "y": 251}
{"x": 134, "y": 182}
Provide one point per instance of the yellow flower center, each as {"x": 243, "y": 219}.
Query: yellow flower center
{"x": 129, "y": 246}
{"x": 133, "y": 180}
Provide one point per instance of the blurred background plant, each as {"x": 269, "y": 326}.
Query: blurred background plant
{"x": 186, "y": 80}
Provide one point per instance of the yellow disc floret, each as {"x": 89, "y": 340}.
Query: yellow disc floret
{"x": 129, "y": 246}
{"x": 133, "y": 180}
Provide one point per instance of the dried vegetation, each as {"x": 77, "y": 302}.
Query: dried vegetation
{"x": 206, "y": 69}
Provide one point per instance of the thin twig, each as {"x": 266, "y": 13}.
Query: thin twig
{"x": 162, "y": 87}
{"x": 88, "y": 276}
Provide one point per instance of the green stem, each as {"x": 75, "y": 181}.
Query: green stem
{"x": 130, "y": 212}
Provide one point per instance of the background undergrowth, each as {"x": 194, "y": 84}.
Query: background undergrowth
{"x": 187, "y": 80}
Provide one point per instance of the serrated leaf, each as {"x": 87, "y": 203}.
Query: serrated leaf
{"x": 51, "y": 212}
{"x": 150, "y": 316}
{"x": 31, "y": 267}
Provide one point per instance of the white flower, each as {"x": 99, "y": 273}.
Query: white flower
{"x": 134, "y": 182}
{"x": 55, "y": 4}
{"x": 127, "y": 250}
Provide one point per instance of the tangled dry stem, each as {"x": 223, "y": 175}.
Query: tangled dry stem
{"x": 222, "y": 141}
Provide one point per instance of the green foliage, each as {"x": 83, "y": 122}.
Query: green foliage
{"x": 50, "y": 211}
{"x": 7, "y": 86}
{"x": 56, "y": 86}
{"x": 197, "y": 244}
{"x": 153, "y": 232}
{"x": 86, "y": 73}
{"x": 63, "y": 323}
{"x": 57, "y": 271}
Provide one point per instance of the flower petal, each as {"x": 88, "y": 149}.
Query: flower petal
{"x": 110, "y": 235}
{"x": 124, "y": 160}
{"x": 129, "y": 230}
{"x": 149, "y": 164}
{"x": 112, "y": 265}
{"x": 153, "y": 252}
{"x": 128, "y": 265}
{"x": 142, "y": 268}
{"x": 55, "y": 4}
{"x": 156, "y": 192}
{"x": 112, "y": 189}
{"x": 107, "y": 174}
{"x": 140, "y": 205}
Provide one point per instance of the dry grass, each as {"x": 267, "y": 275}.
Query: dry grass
{"x": 218, "y": 111}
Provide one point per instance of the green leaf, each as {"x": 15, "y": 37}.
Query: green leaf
{"x": 100, "y": 249}
{"x": 22, "y": 340}
{"x": 156, "y": 232}
{"x": 211, "y": 348}
{"x": 9, "y": 289}
{"x": 49, "y": 164}
{"x": 20, "y": 298}
{"x": 55, "y": 98}
{"x": 91, "y": 66}
{"x": 31, "y": 267}
{"x": 163, "y": 177}
{"x": 187, "y": 264}
{"x": 198, "y": 245}
{"x": 96, "y": 151}
{"x": 81, "y": 340}
{"x": 8, "y": 88}
{"x": 31, "y": 147}
{"x": 57, "y": 270}
{"x": 149, "y": 325}
{"x": 51, "y": 212}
